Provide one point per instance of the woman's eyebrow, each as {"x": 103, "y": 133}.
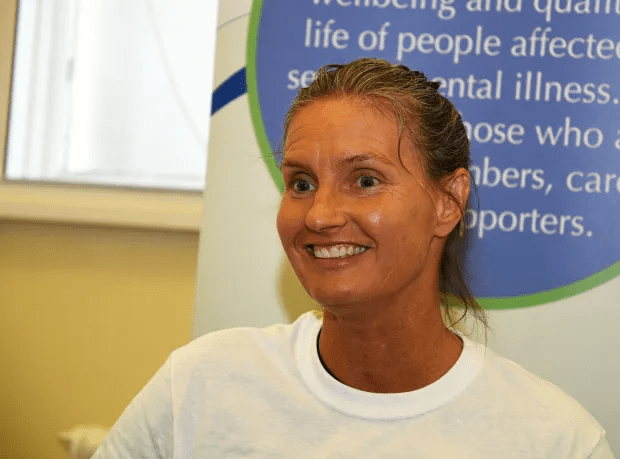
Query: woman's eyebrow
{"x": 351, "y": 158}
{"x": 363, "y": 157}
{"x": 292, "y": 164}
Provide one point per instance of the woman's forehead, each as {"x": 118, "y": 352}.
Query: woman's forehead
{"x": 340, "y": 118}
{"x": 350, "y": 126}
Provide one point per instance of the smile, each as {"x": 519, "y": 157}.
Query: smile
{"x": 336, "y": 251}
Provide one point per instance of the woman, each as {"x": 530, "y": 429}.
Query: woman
{"x": 376, "y": 182}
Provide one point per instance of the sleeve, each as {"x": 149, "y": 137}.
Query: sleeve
{"x": 602, "y": 450}
{"x": 144, "y": 430}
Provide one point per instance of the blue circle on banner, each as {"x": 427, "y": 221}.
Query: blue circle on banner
{"x": 539, "y": 91}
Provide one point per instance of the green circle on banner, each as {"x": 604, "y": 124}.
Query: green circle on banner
{"x": 252, "y": 83}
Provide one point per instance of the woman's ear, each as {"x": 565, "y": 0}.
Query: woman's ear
{"x": 452, "y": 201}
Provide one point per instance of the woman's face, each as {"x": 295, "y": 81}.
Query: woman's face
{"x": 355, "y": 223}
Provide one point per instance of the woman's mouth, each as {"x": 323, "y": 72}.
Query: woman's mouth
{"x": 336, "y": 251}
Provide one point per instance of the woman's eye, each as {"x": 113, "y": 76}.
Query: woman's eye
{"x": 302, "y": 186}
{"x": 367, "y": 181}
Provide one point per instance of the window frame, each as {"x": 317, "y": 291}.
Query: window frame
{"x": 82, "y": 204}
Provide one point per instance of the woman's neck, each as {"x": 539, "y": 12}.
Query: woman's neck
{"x": 390, "y": 351}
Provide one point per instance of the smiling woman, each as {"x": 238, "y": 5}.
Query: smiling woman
{"x": 376, "y": 179}
{"x": 371, "y": 124}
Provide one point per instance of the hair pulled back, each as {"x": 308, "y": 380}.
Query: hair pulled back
{"x": 435, "y": 130}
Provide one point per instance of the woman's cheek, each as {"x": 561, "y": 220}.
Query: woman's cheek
{"x": 374, "y": 218}
{"x": 282, "y": 223}
{"x": 289, "y": 221}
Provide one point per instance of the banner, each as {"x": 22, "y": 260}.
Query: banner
{"x": 537, "y": 84}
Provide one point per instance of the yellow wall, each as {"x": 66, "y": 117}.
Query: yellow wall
{"x": 87, "y": 314}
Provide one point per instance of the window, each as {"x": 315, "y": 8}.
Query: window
{"x": 112, "y": 92}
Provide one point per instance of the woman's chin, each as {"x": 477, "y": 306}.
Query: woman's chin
{"x": 334, "y": 298}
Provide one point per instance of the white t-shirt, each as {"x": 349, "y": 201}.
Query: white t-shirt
{"x": 263, "y": 393}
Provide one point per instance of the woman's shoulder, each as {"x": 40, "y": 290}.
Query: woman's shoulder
{"x": 239, "y": 346}
{"x": 508, "y": 377}
{"x": 519, "y": 399}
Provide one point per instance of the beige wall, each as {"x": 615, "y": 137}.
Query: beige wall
{"x": 87, "y": 314}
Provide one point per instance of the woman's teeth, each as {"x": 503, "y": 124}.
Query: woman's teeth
{"x": 338, "y": 251}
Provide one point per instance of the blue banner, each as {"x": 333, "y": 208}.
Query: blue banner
{"x": 537, "y": 84}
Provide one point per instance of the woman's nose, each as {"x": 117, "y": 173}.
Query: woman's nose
{"x": 327, "y": 211}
